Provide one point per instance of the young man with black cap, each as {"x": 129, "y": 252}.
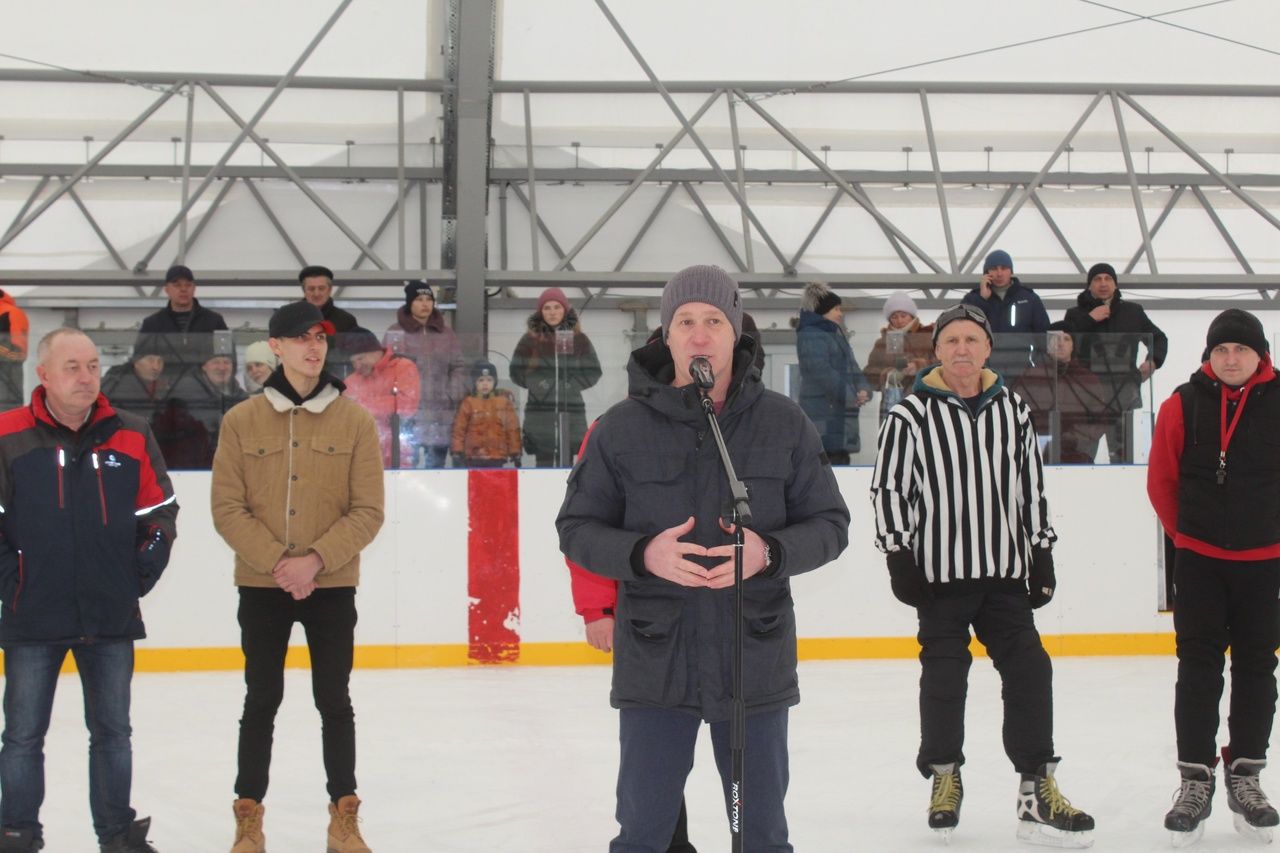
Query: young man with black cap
{"x": 983, "y": 565}
{"x": 1109, "y": 330}
{"x": 297, "y": 494}
{"x": 1214, "y": 480}
{"x": 643, "y": 506}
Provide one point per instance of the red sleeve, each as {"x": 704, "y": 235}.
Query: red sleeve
{"x": 1165, "y": 463}
{"x": 592, "y": 594}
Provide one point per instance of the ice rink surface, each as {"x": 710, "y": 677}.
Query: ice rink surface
{"x": 522, "y": 760}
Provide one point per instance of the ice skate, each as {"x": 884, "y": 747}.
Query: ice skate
{"x": 1191, "y": 804}
{"x": 249, "y": 836}
{"x": 132, "y": 840}
{"x": 1046, "y": 817}
{"x": 19, "y": 841}
{"x": 944, "y": 802}
{"x": 1251, "y": 811}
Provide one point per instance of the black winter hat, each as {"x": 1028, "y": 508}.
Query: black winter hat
{"x": 414, "y": 289}
{"x": 358, "y": 340}
{"x": 1235, "y": 326}
{"x": 484, "y": 368}
{"x": 1101, "y": 268}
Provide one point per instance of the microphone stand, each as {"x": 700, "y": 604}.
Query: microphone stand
{"x": 740, "y": 514}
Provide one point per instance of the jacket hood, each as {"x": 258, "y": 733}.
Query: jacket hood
{"x": 435, "y": 322}
{"x": 651, "y": 371}
{"x": 1265, "y": 373}
{"x": 538, "y": 326}
{"x": 929, "y": 381}
{"x": 810, "y": 320}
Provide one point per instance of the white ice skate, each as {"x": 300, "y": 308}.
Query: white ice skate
{"x": 1046, "y": 817}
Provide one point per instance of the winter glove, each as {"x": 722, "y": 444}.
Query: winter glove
{"x": 1041, "y": 578}
{"x": 907, "y": 581}
{"x": 515, "y": 460}
{"x": 153, "y": 556}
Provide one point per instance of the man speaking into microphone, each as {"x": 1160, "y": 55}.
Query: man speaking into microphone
{"x": 644, "y": 506}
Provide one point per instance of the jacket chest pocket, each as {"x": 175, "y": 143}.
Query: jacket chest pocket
{"x": 658, "y": 490}
{"x": 326, "y": 460}
{"x": 265, "y": 463}
{"x": 766, "y": 472}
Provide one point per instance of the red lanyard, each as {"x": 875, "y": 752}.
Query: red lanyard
{"x": 1225, "y": 432}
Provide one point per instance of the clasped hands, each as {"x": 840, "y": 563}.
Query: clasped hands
{"x": 296, "y": 575}
{"x": 666, "y": 557}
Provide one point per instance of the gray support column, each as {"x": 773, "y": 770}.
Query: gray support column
{"x": 742, "y": 182}
{"x": 937, "y": 180}
{"x": 817, "y": 226}
{"x": 531, "y": 183}
{"x": 1133, "y": 184}
{"x": 186, "y": 170}
{"x": 474, "y": 46}
{"x": 402, "y": 189}
{"x": 1155, "y": 229}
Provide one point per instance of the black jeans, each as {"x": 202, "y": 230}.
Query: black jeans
{"x": 1221, "y": 603}
{"x": 1002, "y": 621}
{"x": 266, "y": 619}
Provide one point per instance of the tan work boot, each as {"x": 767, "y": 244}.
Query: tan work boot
{"x": 249, "y": 837}
{"x": 344, "y": 826}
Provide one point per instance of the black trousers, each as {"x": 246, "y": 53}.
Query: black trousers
{"x": 1221, "y": 603}
{"x": 266, "y": 619}
{"x": 1002, "y": 621}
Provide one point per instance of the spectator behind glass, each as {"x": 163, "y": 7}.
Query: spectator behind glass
{"x": 556, "y": 362}
{"x": 317, "y": 288}
{"x": 13, "y": 351}
{"x": 183, "y": 326}
{"x": 1060, "y": 383}
{"x": 832, "y": 387}
{"x": 486, "y": 432}
{"x": 259, "y": 361}
{"x": 207, "y": 394}
{"x": 1110, "y": 329}
{"x": 904, "y": 348}
{"x": 385, "y": 384}
{"x": 139, "y": 386}
{"x": 1015, "y": 312}
{"x": 420, "y": 333}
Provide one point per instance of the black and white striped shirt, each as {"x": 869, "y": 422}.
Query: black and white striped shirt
{"x": 964, "y": 491}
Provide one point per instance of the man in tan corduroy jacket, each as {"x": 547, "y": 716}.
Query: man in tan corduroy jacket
{"x": 297, "y": 494}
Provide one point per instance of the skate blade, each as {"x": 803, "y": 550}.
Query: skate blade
{"x": 1256, "y": 834}
{"x": 944, "y": 832}
{"x": 1047, "y": 836}
{"x": 1186, "y": 839}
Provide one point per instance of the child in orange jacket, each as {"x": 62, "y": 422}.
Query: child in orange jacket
{"x": 486, "y": 432}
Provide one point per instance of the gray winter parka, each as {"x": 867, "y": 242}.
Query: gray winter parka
{"x": 650, "y": 464}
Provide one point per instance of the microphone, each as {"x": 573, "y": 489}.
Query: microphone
{"x": 703, "y": 377}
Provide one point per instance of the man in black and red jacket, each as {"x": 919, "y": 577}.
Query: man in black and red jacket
{"x": 1214, "y": 480}
{"x": 87, "y": 523}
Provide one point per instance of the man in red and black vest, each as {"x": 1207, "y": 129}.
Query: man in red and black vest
{"x": 87, "y": 522}
{"x": 1214, "y": 480}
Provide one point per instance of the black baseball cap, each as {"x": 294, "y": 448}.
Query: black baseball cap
{"x": 295, "y": 318}
{"x": 178, "y": 272}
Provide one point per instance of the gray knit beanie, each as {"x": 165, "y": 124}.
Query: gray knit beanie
{"x": 702, "y": 283}
{"x": 900, "y": 302}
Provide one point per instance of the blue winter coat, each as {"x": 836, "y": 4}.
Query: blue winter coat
{"x": 830, "y": 380}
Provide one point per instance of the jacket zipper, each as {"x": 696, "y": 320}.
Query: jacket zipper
{"x": 22, "y": 576}
{"x": 102, "y": 495}
{"x": 62, "y": 463}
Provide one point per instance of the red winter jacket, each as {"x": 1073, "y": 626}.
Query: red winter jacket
{"x": 1164, "y": 470}
{"x": 593, "y": 596}
{"x": 374, "y": 393}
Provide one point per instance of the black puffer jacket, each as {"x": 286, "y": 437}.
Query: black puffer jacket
{"x": 650, "y": 465}
{"x": 1110, "y": 348}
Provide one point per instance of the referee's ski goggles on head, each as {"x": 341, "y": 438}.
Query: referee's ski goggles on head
{"x": 961, "y": 312}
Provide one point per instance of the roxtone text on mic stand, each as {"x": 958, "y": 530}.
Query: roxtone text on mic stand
{"x": 739, "y": 514}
